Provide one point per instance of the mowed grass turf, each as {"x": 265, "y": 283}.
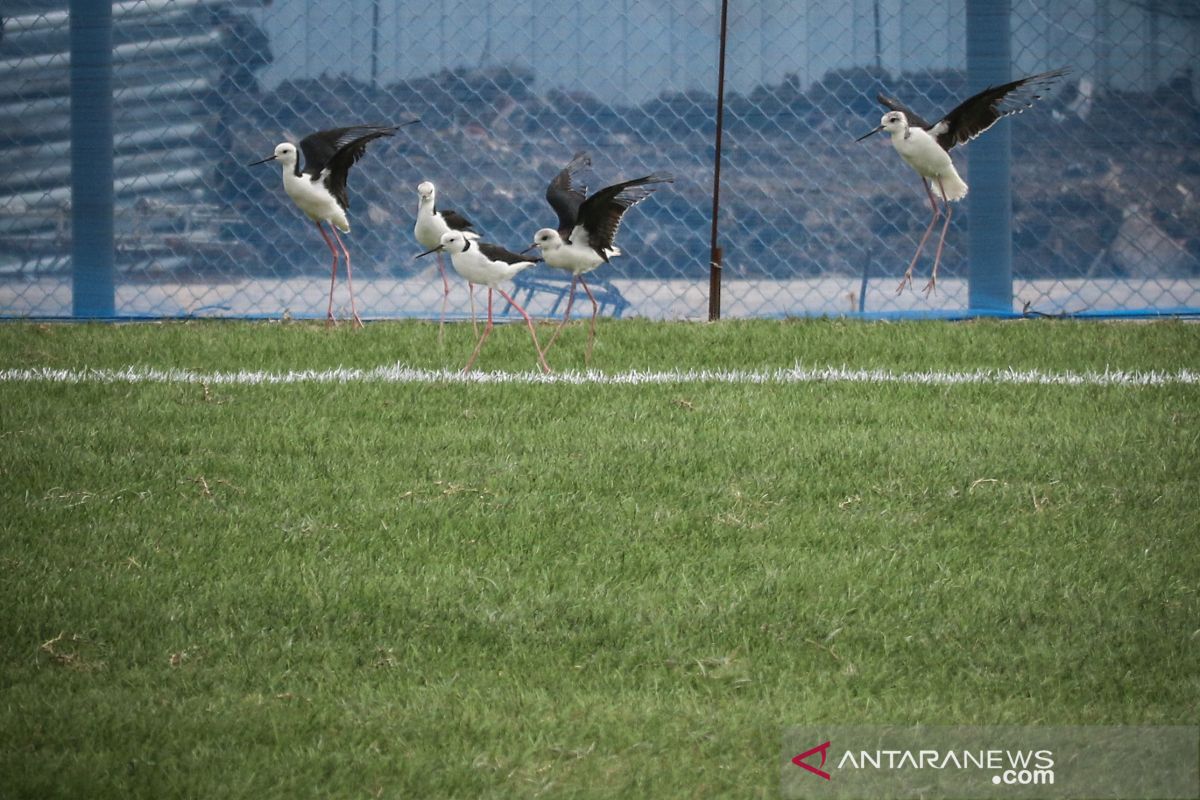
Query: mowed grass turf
{"x": 445, "y": 590}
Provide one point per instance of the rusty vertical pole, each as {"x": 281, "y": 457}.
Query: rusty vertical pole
{"x": 714, "y": 275}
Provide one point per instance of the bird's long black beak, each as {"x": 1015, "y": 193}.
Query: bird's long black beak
{"x": 265, "y": 160}
{"x": 527, "y": 249}
{"x": 872, "y": 133}
{"x": 430, "y": 250}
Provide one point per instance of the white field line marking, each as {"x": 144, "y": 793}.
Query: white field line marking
{"x": 399, "y": 373}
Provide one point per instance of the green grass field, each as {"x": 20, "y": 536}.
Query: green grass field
{"x": 428, "y": 590}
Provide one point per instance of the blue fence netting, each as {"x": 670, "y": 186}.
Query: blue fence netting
{"x": 1105, "y": 173}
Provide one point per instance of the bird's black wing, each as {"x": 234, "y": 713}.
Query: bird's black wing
{"x": 455, "y": 220}
{"x": 913, "y": 117}
{"x": 600, "y": 215}
{"x": 497, "y": 253}
{"x": 979, "y": 112}
{"x": 320, "y": 147}
{"x": 350, "y": 147}
{"x": 565, "y": 193}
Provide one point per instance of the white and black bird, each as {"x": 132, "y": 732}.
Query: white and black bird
{"x": 319, "y": 188}
{"x": 587, "y": 226}
{"x": 487, "y": 264}
{"x": 432, "y": 224}
{"x": 927, "y": 147}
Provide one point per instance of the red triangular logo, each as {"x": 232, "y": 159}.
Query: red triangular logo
{"x": 823, "y": 749}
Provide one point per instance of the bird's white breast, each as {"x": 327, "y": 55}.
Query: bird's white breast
{"x": 430, "y": 227}
{"x": 314, "y": 199}
{"x": 926, "y": 156}
{"x": 923, "y": 153}
{"x": 475, "y": 267}
{"x": 577, "y": 257}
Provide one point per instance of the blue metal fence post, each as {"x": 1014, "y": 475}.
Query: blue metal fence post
{"x": 989, "y": 62}
{"x": 92, "y": 158}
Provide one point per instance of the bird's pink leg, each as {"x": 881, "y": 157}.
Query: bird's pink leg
{"x": 329, "y": 320}
{"x": 471, "y": 290}
{"x": 591, "y": 330}
{"x": 529, "y": 323}
{"x": 566, "y": 317}
{"x": 349, "y": 279}
{"x": 937, "y": 258}
{"x": 907, "y": 280}
{"x": 487, "y": 331}
{"x": 445, "y": 297}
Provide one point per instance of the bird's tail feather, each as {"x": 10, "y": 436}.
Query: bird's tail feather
{"x": 955, "y": 187}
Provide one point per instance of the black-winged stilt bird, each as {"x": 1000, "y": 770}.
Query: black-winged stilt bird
{"x": 319, "y": 189}
{"x": 587, "y": 227}
{"x": 927, "y": 147}
{"x": 432, "y": 224}
{"x": 487, "y": 264}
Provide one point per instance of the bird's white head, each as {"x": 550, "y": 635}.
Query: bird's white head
{"x": 425, "y": 191}
{"x": 452, "y": 242}
{"x": 893, "y": 122}
{"x": 285, "y": 154}
{"x": 547, "y": 239}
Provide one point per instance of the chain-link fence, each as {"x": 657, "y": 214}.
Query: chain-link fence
{"x": 1105, "y": 173}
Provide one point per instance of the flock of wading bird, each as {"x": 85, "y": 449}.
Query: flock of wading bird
{"x": 587, "y": 224}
